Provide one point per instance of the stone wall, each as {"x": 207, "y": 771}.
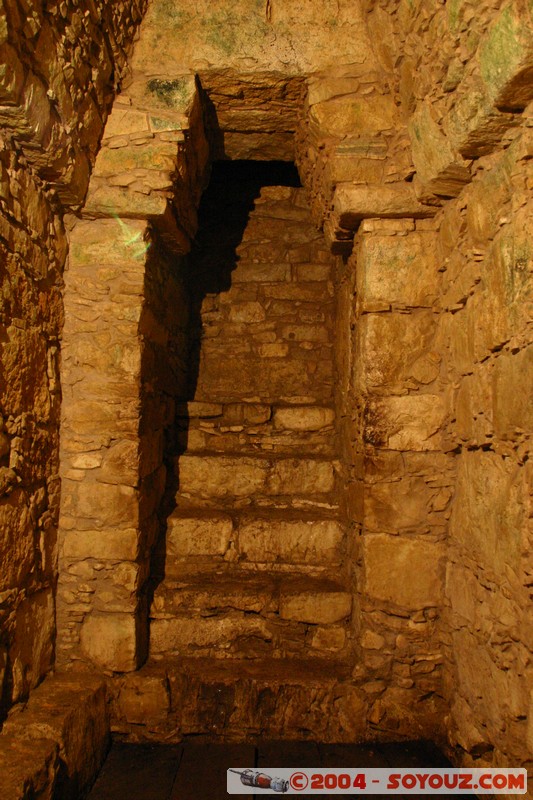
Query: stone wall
{"x": 485, "y": 330}
{"x": 124, "y": 367}
{"x": 399, "y": 480}
{"x": 461, "y": 75}
{"x": 59, "y": 69}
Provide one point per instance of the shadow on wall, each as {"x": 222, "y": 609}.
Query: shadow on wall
{"x": 207, "y": 271}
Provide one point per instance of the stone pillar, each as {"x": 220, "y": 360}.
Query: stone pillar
{"x": 406, "y": 477}
{"x": 104, "y": 543}
{"x": 119, "y": 377}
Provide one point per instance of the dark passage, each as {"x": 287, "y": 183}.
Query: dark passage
{"x": 192, "y": 771}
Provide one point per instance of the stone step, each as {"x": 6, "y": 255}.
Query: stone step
{"x": 236, "y": 635}
{"x": 239, "y": 699}
{"x": 236, "y": 480}
{"x": 250, "y": 428}
{"x": 252, "y": 541}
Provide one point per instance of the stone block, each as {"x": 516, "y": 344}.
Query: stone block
{"x": 100, "y": 504}
{"x": 440, "y": 170}
{"x": 494, "y": 693}
{"x": 352, "y": 203}
{"x": 142, "y": 699}
{"x": 154, "y": 156}
{"x": 489, "y": 515}
{"x": 330, "y": 639}
{"x": 206, "y": 535}
{"x": 506, "y": 58}
{"x": 125, "y": 120}
{"x": 248, "y": 272}
{"x": 301, "y": 477}
{"x": 12, "y": 75}
{"x": 312, "y": 542}
{"x": 180, "y": 635}
{"x": 398, "y": 350}
{"x": 220, "y": 476}
{"x": 474, "y": 126}
{"x": 109, "y": 545}
{"x": 120, "y": 464}
{"x": 108, "y": 241}
{"x": 405, "y": 572}
{"x": 315, "y": 607}
{"x": 31, "y": 652}
{"x": 303, "y": 418}
{"x": 28, "y": 768}
{"x": 398, "y": 271}
{"x": 110, "y": 641}
{"x": 513, "y": 409}
{"x": 410, "y": 422}
{"x": 72, "y": 711}
{"x": 398, "y": 506}
{"x": 351, "y": 114}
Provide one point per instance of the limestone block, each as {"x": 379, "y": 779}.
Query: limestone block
{"x": 464, "y": 593}
{"x": 120, "y": 464}
{"x": 473, "y": 125}
{"x": 72, "y": 711}
{"x": 23, "y": 354}
{"x": 107, "y": 241}
{"x": 142, "y": 699}
{"x": 441, "y": 170}
{"x": 154, "y": 156}
{"x": 247, "y": 312}
{"x": 181, "y": 634}
{"x": 301, "y": 477}
{"x": 489, "y": 515}
{"x": 273, "y": 350}
{"x": 303, "y": 418}
{"x": 342, "y": 116}
{"x": 506, "y": 58}
{"x": 305, "y": 333}
{"x": 352, "y": 203}
{"x": 513, "y": 410}
{"x": 31, "y": 653}
{"x": 106, "y": 200}
{"x": 108, "y": 545}
{"x": 11, "y": 75}
{"x": 196, "y": 409}
{"x": 330, "y": 639}
{"x": 403, "y": 571}
{"x": 102, "y": 505}
{"x": 315, "y": 607}
{"x": 110, "y": 641}
{"x": 221, "y": 476}
{"x": 125, "y": 120}
{"x": 400, "y": 505}
{"x": 351, "y": 708}
{"x": 317, "y": 542}
{"x": 16, "y": 541}
{"x": 206, "y": 535}
{"x": 28, "y": 768}
{"x": 495, "y": 693}
{"x": 247, "y": 272}
{"x": 409, "y": 422}
{"x": 398, "y": 350}
{"x": 398, "y": 271}
{"x": 505, "y": 305}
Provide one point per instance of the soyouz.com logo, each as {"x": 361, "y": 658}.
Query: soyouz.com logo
{"x": 378, "y": 781}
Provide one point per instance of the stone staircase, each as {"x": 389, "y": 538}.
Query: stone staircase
{"x": 255, "y": 574}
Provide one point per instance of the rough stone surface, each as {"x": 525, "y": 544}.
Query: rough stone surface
{"x": 55, "y": 745}
{"x": 350, "y": 441}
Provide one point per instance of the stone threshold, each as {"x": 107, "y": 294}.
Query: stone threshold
{"x": 53, "y": 746}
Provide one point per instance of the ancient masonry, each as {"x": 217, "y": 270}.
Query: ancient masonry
{"x": 266, "y": 357}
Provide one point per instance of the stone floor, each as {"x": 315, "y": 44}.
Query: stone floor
{"x": 194, "y": 771}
